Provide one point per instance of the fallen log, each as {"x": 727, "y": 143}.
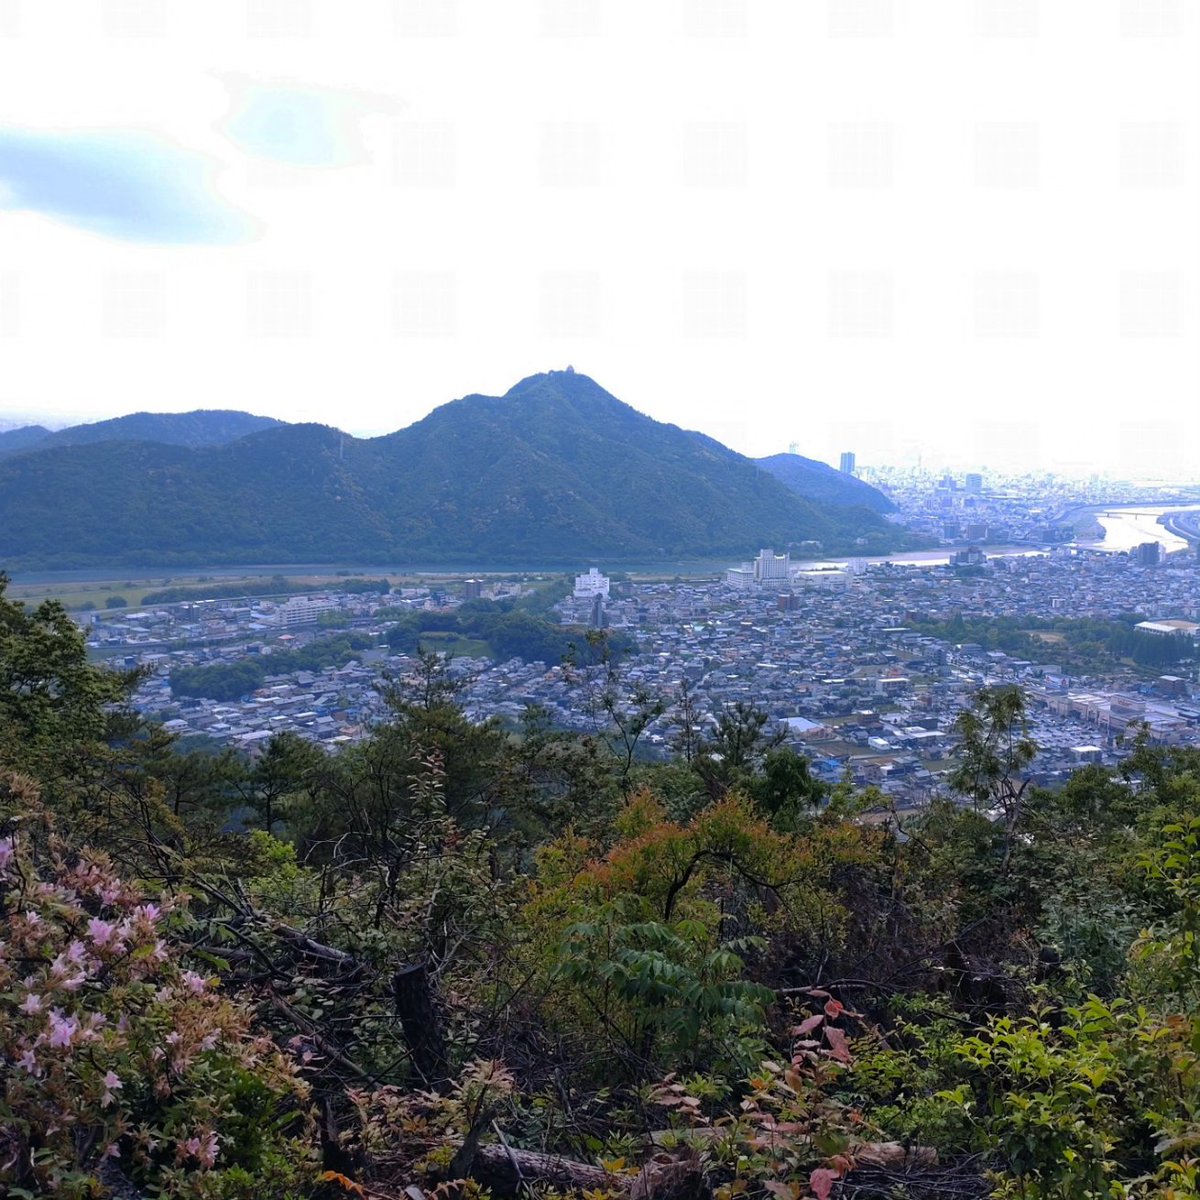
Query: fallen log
{"x": 504, "y": 1169}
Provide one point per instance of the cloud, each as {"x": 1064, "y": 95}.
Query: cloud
{"x": 123, "y": 184}
{"x": 300, "y": 125}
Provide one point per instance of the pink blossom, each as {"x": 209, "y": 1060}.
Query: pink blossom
{"x": 31, "y": 1004}
{"x": 172, "y": 1038}
{"x": 208, "y": 1041}
{"x": 112, "y": 1150}
{"x": 195, "y": 983}
{"x": 101, "y": 932}
{"x": 149, "y": 912}
{"x": 31, "y": 918}
{"x": 28, "y": 1063}
{"x": 208, "y": 1149}
{"x": 204, "y": 1149}
{"x": 73, "y": 983}
{"x": 112, "y": 1083}
{"x": 6, "y": 854}
{"x": 62, "y": 1029}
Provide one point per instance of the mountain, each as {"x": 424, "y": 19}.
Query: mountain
{"x": 819, "y": 481}
{"x": 204, "y": 427}
{"x": 555, "y": 471}
{"x": 12, "y": 441}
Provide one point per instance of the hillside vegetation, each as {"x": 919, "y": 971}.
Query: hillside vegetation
{"x": 819, "y": 481}
{"x": 457, "y": 960}
{"x": 203, "y": 427}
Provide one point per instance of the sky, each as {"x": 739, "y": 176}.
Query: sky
{"x": 960, "y": 232}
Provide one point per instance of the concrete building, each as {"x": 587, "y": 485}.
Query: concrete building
{"x": 770, "y": 567}
{"x": 847, "y": 463}
{"x": 303, "y": 610}
{"x": 591, "y": 584}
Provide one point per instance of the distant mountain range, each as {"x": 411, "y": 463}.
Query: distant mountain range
{"x": 555, "y": 471}
{"x": 204, "y": 427}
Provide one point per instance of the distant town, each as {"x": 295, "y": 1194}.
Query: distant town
{"x": 1084, "y": 595}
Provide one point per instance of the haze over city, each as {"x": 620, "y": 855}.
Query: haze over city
{"x": 964, "y": 231}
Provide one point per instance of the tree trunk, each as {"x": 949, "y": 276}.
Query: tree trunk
{"x": 504, "y": 1170}
{"x": 419, "y": 1020}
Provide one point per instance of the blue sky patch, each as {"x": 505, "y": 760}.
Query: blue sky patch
{"x": 129, "y": 185}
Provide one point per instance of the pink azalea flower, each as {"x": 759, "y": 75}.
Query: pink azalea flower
{"x": 194, "y": 983}
{"x": 101, "y": 932}
{"x": 112, "y": 1083}
{"x": 75, "y": 952}
{"x": 28, "y": 1063}
{"x": 208, "y": 1150}
{"x": 32, "y": 1004}
{"x": 62, "y": 1029}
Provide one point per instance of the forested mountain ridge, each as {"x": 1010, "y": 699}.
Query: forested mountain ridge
{"x": 460, "y": 960}
{"x": 202, "y": 427}
{"x": 554, "y": 471}
{"x": 819, "y": 481}
{"x": 21, "y": 438}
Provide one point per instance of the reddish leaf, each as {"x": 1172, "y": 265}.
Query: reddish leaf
{"x": 821, "y": 1181}
{"x": 808, "y": 1025}
{"x": 834, "y": 1009}
{"x": 784, "y": 1191}
{"x": 838, "y": 1045}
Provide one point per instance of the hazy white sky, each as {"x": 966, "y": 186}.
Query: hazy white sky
{"x": 966, "y": 228}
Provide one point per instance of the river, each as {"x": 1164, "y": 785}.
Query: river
{"x": 1129, "y": 526}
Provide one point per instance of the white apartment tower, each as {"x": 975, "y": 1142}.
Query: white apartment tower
{"x": 591, "y": 585}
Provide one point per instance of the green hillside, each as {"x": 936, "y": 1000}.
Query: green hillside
{"x": 203, "y": 427}
{"x": 819, "y": 481}
{"x": 557, "y": 469}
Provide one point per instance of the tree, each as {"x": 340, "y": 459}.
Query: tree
{"x": 51, "y": 698}
{"x": 623, "y": 709}
{"x": 786, "y": 788}
{"x": 287, "y": 765}
{"x": 995, "y": 749}
{"x": 737, "y": 746}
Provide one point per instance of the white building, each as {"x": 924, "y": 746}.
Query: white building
{"x": 770, "y": 567}
{"x": 593, "y": 584}
{"x": 740, "y": 577}
{"x": 303, "y": 610}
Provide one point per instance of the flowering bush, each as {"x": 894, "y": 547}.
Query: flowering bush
{"x": 115, "y": 1061}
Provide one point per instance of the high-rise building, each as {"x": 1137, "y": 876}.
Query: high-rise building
{"x": 771, "y": 567}
{"x": 591, "y": 584}
{"x": 847, "y": 464}
{"x": 1147, "y": 554}
{"x": 974, "y": 484}
{"x": 472, "y": 589}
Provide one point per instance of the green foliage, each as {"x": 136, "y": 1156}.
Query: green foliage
{"x": 51, "y": 698}
{"x": 229, "y": 681}
{"x": 1079, "y": 643}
